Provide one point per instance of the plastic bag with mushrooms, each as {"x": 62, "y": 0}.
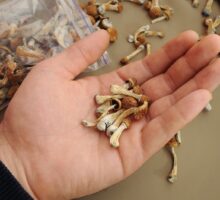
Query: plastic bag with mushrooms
{"x": 32, "y": 33}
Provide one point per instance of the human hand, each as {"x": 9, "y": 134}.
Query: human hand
{"x": 54, "y": 157}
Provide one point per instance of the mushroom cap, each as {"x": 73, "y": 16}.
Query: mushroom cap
{"x": 147, "y": 5}
{"x": 129, "y": 102}
{"x": 124, "y": 61}
{"x": 132, "y": 82}
{"x": 117, "y": 103}
{"x": 141, "y": 112}
{"x": 139, "y": 115}
{"x": 137, "y": 90}
{"x": 206, "y": 12}
{"x": 113, "y": 33}
{"x": 208, "y": 21}
{"x": 92, "y": 10}
{"x": 141, "y": 40}
{"x": 144, "y": 98}
{"x": 155, "y": 12}
{"x": 120, "y": 7}
{"x": 173, "y": 142}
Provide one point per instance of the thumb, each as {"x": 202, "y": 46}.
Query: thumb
{"x": 79, "y": 56}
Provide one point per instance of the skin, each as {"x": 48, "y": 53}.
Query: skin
{"x": 53, "y": 156}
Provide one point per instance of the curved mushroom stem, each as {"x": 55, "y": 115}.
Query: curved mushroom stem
{"x": 135, "y": 110}
{"x": 172, "y": 177}
{"x": 208, "y": 8}
{"x": 114, "y": 140}
{"x": 212, "y": 24}
{"x": 130, "y": 83}
{"x": 101, "y": 109}
{"x": 178, "y": 137}
{"x": 118, "y": 90}
{"x": 92, "y": 124}
{"x": 154, "y": 33}
{"x": 216, "y": 22}
{"x": 108, "y": 120}
{"x": 126, "y": 59}
{"x": 141, "y": 30}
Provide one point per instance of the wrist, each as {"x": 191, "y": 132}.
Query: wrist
{"x": 12, "y": 162}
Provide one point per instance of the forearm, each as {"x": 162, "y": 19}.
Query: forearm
{"x": 13, "y": 181}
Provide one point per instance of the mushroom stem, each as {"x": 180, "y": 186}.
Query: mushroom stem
{"x": 101, "y": 109}
{"x": 209, "y": 23}
{"x": 212, "y": 24}
{"x": 108, "y": 120}
{"x": 126, "y": 59}
{"x": 140, "y": 31}
{"x": 119, "y": 90}
{"x": 166, "y": 16}
{"x": 155, "y": 3}
{"x": 178, "y": 137}
{"x": 139, "y": 2}
{"x": 154, "y": 33}
{"x": 159, "y": 19}
{"x": 92, "y": 124}
{"x": 100, "y": 99}
{"x": 216, "y": 22}
{"x": 148, "y": 47}
{"x": 135, "y": 110}
{"x": 130, "y": 83}
{"x": 114, "y": 140}
{"x": 208, "y": 8}
{"x": 172, "y": 177}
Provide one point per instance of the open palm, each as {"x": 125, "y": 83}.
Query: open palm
{"x": 55, "y": 157}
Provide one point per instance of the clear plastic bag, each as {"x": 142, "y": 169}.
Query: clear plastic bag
{"x": 39, "y": 32}
{"x": 31, "y": 32}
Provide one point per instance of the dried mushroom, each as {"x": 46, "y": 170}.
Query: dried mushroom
{"x": 140, "y": 41}
{"x": 97, "y": 14}
{"x": 208, "y": 8}
{"x": 118, "y": 110}
{"x": 172, "y": 144}
{"x": 22, "y": 45}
